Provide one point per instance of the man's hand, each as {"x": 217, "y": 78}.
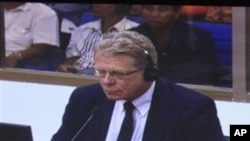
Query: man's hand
{"x": 11, "y": 61}
{"x": 66, "y": 68}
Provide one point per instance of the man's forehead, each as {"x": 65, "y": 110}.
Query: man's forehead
{"x": 117, "y": 61}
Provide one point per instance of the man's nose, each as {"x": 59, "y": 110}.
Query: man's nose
{"x": 108, "y": 79}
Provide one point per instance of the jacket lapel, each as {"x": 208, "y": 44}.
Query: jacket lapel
{"x": 159, "y": 118}
{"x": 105, "y": 117}
{"x": 98, "y": 126}
{"x": 160, "y": 113}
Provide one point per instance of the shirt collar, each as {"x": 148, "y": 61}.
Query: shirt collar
{"x": 119, "y": 26}
{"x": 142, "y": 103}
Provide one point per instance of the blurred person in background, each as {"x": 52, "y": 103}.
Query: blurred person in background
{"x": 186, "y": 54}
{"x": 220, "y": 14}
{"x": 31, "y": 31}
{"x": 80, "y": 51}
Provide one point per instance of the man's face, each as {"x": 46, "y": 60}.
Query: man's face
{"x": 119, "y": 77}
{"x": 104, "y": 10}
{"x": 159, "y": 15}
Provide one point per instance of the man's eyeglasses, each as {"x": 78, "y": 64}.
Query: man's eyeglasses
{"x": 114, "y": 74}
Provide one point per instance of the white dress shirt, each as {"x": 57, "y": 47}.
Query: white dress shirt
{"x": 140, "y": 114}
{"x": 28, "y": 24}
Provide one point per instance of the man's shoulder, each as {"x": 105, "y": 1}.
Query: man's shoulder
{"x": 93, "y": 24}
{"x": 144, "y": 29}
{"x": 182, "y": 94}
{"x": 87, "y": 92}
{"x": 91, "y": 87}
{"x": 189, "y": 27}
{"x": 130, "y": 22}
{"x": 185, "y": 100}
{"x": 140, "y": 28}
{"x": 40, "y": 7}
{"x": 87, "y": 27}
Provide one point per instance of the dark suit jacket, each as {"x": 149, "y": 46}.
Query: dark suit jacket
{"x": 189, "y": 56}
{"x": 176, "y": 114}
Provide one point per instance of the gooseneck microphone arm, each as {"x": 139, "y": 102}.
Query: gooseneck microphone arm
{"x": 93, "y": 112}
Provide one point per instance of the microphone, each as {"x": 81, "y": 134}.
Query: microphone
{"x": 93, "y": 112}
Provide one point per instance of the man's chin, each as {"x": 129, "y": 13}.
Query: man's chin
{"x": 113, "y": 97}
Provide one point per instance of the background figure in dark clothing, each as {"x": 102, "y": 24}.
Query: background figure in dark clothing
{"x": 186, "y": 54}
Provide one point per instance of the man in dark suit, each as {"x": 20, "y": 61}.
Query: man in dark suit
{"x": 186, "y": 54}
{"x": 126, "y": 65}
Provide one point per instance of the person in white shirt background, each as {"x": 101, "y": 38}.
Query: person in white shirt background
{"x": 80, "y": 51}
{"x": 27, "y": 34}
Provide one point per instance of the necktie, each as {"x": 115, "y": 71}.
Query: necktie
{"x": 127, "y": 124}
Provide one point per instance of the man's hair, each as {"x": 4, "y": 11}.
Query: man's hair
{"x": 129, "y": 43}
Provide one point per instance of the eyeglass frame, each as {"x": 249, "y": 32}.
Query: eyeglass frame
{"x": 114, "y": 74}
